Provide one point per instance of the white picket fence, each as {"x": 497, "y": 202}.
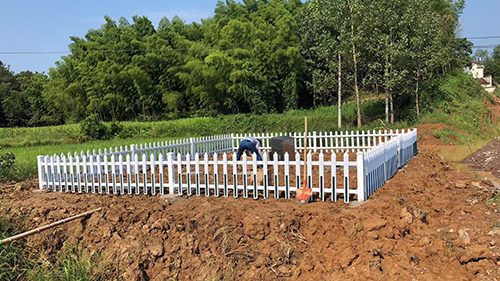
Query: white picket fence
{"x": 326, "y": 141}
{"x": 199, "y": 166}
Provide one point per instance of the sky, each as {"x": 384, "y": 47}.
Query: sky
{"x": 46, "y": 25}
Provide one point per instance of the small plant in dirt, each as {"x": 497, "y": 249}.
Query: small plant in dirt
{"x": 451, "y": 248}
{"x": 493, "y": 200}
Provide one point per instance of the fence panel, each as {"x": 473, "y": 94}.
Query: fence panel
{"x": 169, "y": 167}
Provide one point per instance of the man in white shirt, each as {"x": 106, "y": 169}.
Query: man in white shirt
{"x": 250, "y": 144}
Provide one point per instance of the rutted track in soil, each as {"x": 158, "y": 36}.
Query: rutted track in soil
{"x": 413, "y": 227}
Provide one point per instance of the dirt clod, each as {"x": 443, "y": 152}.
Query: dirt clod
{"x": 464, "y": 236}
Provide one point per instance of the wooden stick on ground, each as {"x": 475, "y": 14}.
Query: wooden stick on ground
{"x": 40, "y": 229}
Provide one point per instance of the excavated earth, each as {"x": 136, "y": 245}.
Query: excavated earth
{"x": 429, "y": 222}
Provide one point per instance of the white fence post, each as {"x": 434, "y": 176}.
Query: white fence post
{"x": 170, "y": 167}
{"x": 361, "y": 175}
{"x": 314, "y": 142}
{"x": 346, "y": 177}
{"x": 133, "y": 148}
{"x": 40, "y": 172}
{"x": 152, "y": 159}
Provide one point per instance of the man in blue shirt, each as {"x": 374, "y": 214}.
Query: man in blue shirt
{"x": 250, "y": 144}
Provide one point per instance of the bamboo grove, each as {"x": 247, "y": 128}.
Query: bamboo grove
{"x": 254, "y": 56}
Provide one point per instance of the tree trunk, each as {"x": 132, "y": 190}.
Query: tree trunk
{"x": 386, "y": 78}
{"x": 340, "y": 92}
{"x": 392, "y": 107}
{"x": 354, "y": 57}
{"x": 416, "y": 96}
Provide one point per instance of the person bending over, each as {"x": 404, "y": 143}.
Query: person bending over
{"x": 250, "y": 144}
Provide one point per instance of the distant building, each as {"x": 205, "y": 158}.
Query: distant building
{"x": 477, "y": 72}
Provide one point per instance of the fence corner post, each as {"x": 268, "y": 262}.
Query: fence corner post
{"x": 170, "y": 167}
{"x": 385, "y": 162}
{"x": 399, "y": 151}
{"x": 40, "y": 172}
{"x": 360, "y": 167}
{"x": 415, "y": 148}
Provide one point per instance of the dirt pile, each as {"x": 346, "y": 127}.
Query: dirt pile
{"x": 429, "y": 222}
{"x": 486, "y": 158}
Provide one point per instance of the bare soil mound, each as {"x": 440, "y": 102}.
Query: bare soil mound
{"x": 486, "y": 158}
{"x": 429, "y": 222}
{"x": 430, "y": 140}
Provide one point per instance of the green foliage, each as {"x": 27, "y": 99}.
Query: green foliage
{"x": 14, "y": 262}
{"x": 450, "y": 135}
{"x": 493, "y": 200}
{"x": 115, "y": 129}
{"x": 497, "y": 92}
{"x": 71, "y": 264}
{"x": 91, "y": 127}
{"x": 450, "y": 92}
{"x": 250, "y": 57}
{"x": 492, "y": 64}
{"x": 7, "y": 161}
{"x": 18, "y": 262}
{"x": 246, "y": 58}
{"x": 458, "y": 101}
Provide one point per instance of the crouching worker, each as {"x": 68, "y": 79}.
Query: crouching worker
{"x": 250, "y": 144}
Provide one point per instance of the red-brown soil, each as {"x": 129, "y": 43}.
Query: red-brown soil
{"x": 486, "y": 158}
{"x": 431, "y": 140}
{"x": 429, "y": 222}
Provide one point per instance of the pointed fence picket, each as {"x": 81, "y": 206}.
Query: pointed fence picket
{"x": 193, "y": 167}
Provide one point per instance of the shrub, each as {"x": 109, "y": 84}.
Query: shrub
{"x": 451, "y": 92}
{"x": 7, "y": 162}
{"x": 114, "y": 129}
{"x": 93, "y": 128}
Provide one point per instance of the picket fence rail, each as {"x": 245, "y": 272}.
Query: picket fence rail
{"x": 199, "y": 166}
